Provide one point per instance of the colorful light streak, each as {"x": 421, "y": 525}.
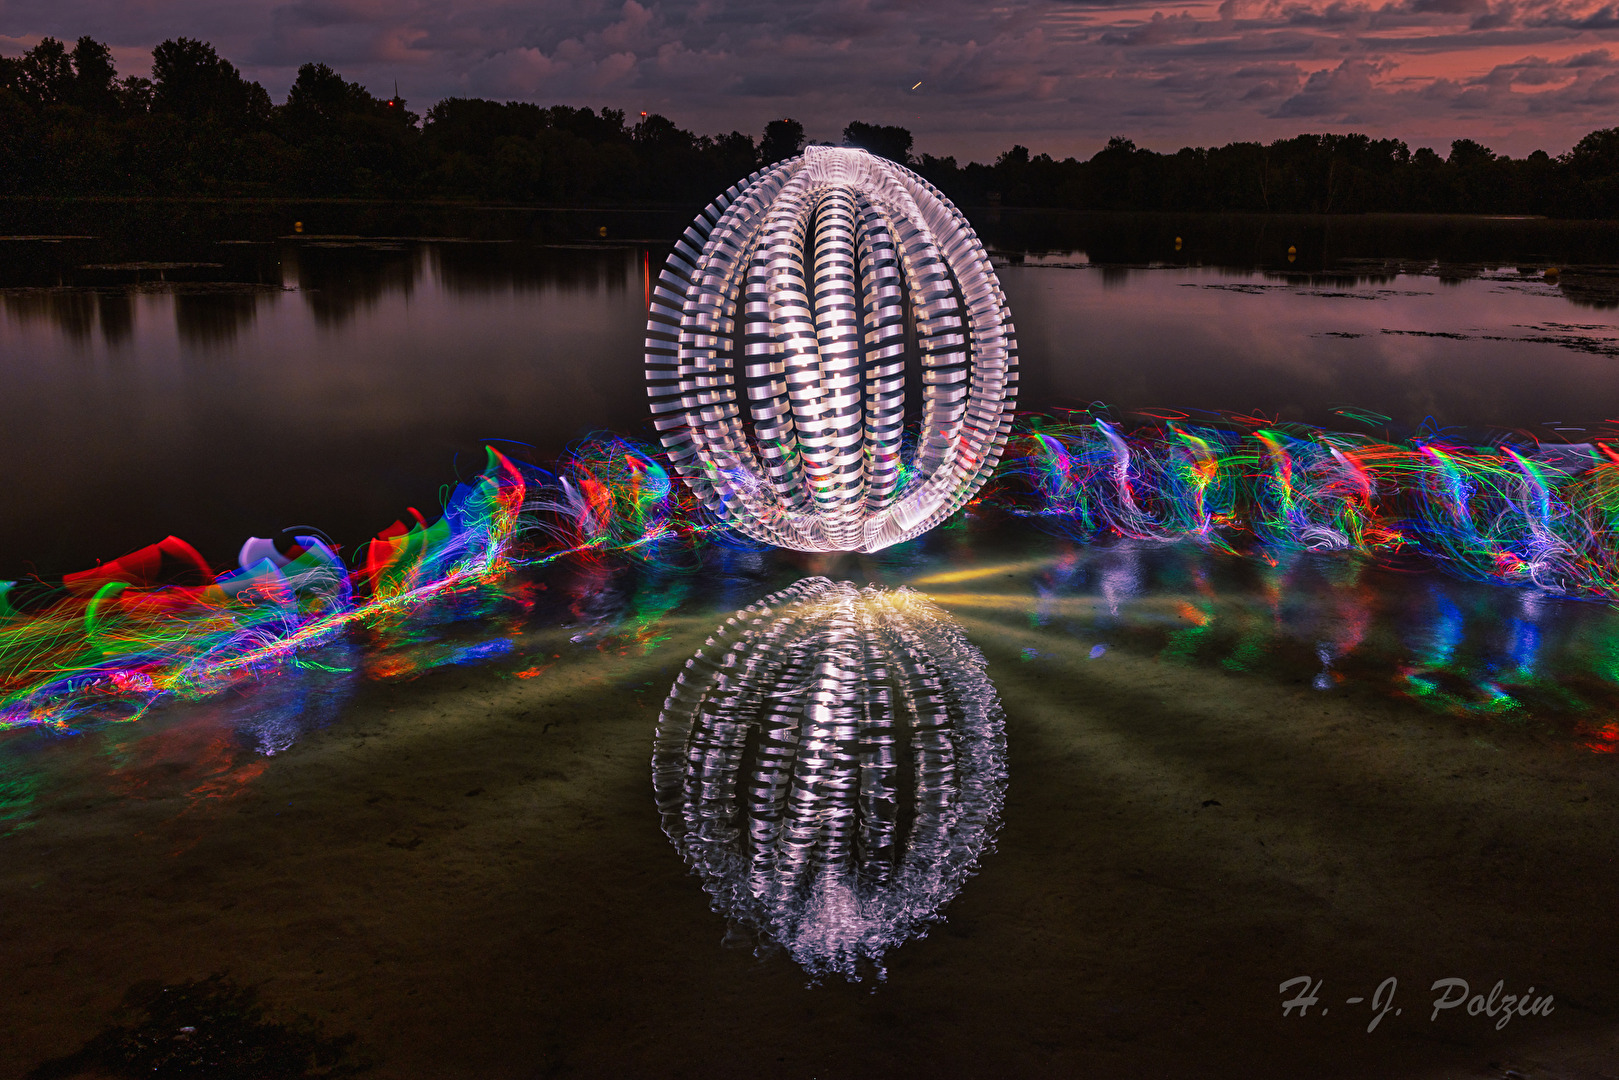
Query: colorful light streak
{"x": 1517, "y": 515}
{"x": 160, "y": 623}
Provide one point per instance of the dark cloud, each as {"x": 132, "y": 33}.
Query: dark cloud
{"x": 1447, "y": 7}
{"x": 1336, "y": 15}
{"x": 1155, "y": 31}
{"x": 1336, "y": 93}
{"x": 1493, "y": 19}
{"x": 1265, "y": 91}
{"x": 1571, "y": 17}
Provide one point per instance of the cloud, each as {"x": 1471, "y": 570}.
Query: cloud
{"x": 1337, "y": 93}
{"x": 514, "y": 73}
{"x": 1155, "y": 31}
{"x": 1573, "y": 17}
{"x": 1056, "y": 75}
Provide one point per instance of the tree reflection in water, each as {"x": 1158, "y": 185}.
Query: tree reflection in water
{"x": 832, "y": 765}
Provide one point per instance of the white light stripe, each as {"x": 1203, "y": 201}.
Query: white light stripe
{"x": 822, "y": 254}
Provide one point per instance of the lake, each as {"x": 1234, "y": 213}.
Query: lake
{"x": 1201, "y": 776}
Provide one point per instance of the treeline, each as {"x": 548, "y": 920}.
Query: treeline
{"x": 70, "y": 125}
{"x": 1319, "y": 174}
{"x": 1304, "y": 174}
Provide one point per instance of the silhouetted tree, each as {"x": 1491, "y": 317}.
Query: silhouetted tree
{"x": 95, "y": 78}
{"x": 1465, "y": 153}
{"x": 893, "y": 143}
{"x": 49, "y": 74}
{"x": 45, "y": 74}
{"x": 1596, "y": 155}
{"x": 783, "y": 139}
{"x": 1592, "y": 168}
{"x": 344, "y": 140}
{"x": 190, "y": 80}
{"x": 322, "y": 95}
{"x": 468, "y": 125}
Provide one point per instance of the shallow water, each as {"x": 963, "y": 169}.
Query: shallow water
{"x": 440, "y": 835}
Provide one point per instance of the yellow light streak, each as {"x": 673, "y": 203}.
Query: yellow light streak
{"x": 951, "y": 577}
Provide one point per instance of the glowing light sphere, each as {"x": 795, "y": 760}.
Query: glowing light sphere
{"x": 832, "y": 764}
{"x": 779, "y": 342}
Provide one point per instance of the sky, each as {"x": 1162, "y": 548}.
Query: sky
{"x": 968, "y": 78}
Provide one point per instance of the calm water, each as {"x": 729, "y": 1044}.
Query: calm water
{"x": 216, "y": 376}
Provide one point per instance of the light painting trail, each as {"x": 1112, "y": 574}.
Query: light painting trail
{"x": 126, "y": 634}
{"x": 777, "y": 355}
{"x": 1543, "y": 517}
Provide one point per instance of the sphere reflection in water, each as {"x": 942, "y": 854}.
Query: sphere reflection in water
{"x": 832, "y": 765}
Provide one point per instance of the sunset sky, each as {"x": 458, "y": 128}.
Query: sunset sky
{"x": 1517, "y": 75}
